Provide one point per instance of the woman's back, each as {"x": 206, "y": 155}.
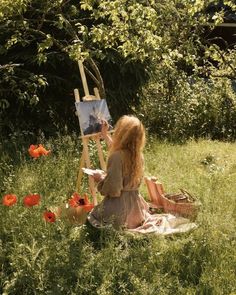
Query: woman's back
{"x": 122, "y": 205}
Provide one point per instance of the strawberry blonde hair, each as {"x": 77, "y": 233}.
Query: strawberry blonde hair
{"x": 129, "y": 138}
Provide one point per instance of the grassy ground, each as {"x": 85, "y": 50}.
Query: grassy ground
{"x": 62, "y": 258}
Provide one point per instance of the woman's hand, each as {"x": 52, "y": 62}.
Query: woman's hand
{"x": 104, "y": 129}
{"x": 104, "y": 132}
{"x": 97, "y": 176}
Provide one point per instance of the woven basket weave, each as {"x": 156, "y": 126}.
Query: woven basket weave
{"x": 182, "y": 203}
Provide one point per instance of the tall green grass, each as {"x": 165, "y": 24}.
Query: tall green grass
{"x": 63, "y": 258}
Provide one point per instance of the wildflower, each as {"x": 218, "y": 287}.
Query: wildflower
{"x": 87, "y": 206}
{"x": 78, "y": 201}
{"x": 33, "y": 151}
{"x": 42, "y": 150}
{"x": 37, "y": 151}
{"x": 31, "y": 200}
{"x": 75, "y": 200}
{"x": 9, "y": 200}
{"x": 49, "y": 216}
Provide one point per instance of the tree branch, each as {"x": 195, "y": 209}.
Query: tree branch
{"x": 100, "y": 83}
{"x": 91, "y": 76}
{"x": 9, "y": 66}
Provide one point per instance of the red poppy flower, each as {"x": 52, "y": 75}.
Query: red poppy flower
{"x": 42, "y": 150}
{"x": 78, "y": 201}
{"x": 31, "y": 200}
{"x": 33, "y": 151}
{"x": 9, "y": 200}
{"x": 87, "y": 206}
{"x": 49, "y": 216}
{"x": 37, "y": 151}
{"x": 74, "y": 201}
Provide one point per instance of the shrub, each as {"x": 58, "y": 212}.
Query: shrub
{"x": 194, "y": 108}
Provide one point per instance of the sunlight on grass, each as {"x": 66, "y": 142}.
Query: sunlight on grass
{"x": 62, "y": 258}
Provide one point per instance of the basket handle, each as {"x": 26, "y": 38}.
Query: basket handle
{"x": 191, "y": 197}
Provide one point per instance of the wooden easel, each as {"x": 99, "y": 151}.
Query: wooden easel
{"x": 85, "y": 158}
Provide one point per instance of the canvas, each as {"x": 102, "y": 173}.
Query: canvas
{"x": 91, "y": 113}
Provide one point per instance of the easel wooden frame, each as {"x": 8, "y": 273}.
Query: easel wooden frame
{"x": 85, "y": 158}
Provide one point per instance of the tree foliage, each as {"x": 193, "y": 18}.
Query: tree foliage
{"x": 192, "y": 92}
{"x": 130, "y": 42}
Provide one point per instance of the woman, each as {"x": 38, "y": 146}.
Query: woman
{"x": 123, "y": 206}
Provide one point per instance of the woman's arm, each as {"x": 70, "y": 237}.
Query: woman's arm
{"x": 112, "y": 184}
{"x": 104, "y": 133}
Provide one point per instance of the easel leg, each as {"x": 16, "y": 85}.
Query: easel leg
{"x": 100, "y": 154}
{"x": 93, "y": 190}
{"x": 91, "y": 180}
{"x": 80, "y": 175}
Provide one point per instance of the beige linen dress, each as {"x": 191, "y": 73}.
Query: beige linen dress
{"x": 124, "y": 207}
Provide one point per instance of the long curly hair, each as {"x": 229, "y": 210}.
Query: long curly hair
{"x": 129, "y": 138}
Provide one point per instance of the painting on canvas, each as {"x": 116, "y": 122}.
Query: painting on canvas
{"x": 91, "y": 113}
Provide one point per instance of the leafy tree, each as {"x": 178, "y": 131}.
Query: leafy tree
{"x": 42, "y": 42}
{"x": 192, "y": 92}
{"x": 125, "y": 42}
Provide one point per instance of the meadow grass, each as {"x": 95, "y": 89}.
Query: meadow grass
{"x": 64, "y": 258}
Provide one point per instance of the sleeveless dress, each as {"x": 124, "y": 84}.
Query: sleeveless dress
{"x": 123, "y": 206}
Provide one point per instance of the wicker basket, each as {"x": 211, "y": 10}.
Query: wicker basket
{"x": 186, "y": 207}
{"x": 182, "y": 203}
{"x": 74, "y": 215}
